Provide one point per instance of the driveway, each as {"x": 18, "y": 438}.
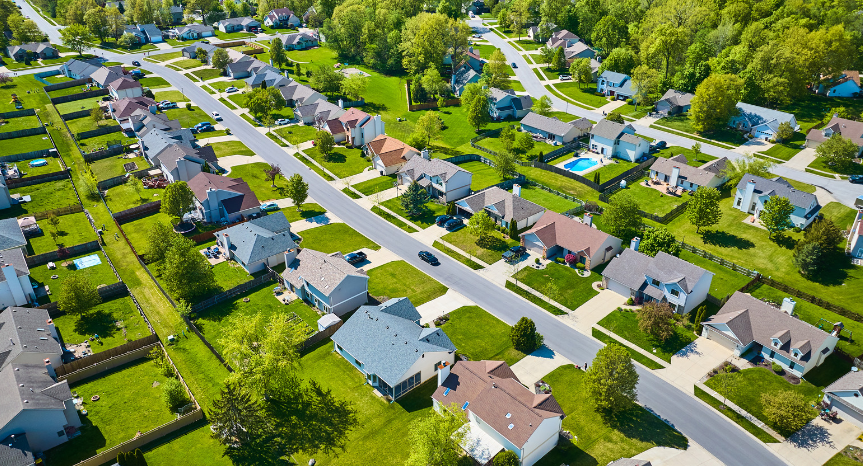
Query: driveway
{"x": 501, "y": 270}
{"x": 594, "y": 310}
{"x": 450, "y": 301}
{"x": 230, "y": 161}
{"x": 691, "y": 363}
{"x": 801, "y": 160}
{"x": 320, "y": 220}
{"x": 376, "y": 258}
{"x": 694, "y": 455}
{"x": 816, "y": 443}
{"x": 537, "y": 365}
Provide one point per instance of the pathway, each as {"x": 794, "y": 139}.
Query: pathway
{"x": 320, "y": 220}
{"x": 450, "y": 301}
{"x": 694, "y": 455}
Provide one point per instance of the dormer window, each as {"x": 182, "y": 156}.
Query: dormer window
{"x": 654, "y": 282}
{"x": 796, "y": 354}
{"x": 775, "y": 343}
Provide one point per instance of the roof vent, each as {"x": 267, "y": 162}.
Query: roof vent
{"x": 510, "y": 426}
{"x": 20, "y": 384}
{"x": 508, "y": 415}
{"x": 26, "y": 401}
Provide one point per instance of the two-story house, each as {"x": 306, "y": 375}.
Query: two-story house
{"x": 676, "y": 171}
{"x": 282, "y": 18}
{"x": 502, "y": 206}
{"x": 562, "y": 38}
{"x": 389, "y": 347}
{"x": 298, "y": 95}
{"x": 462, "y": 76}
{"x": 760, "y": 122}
{"x": 556, "y": 235}
{"x": 753, "y": 191}
{"x": 16, "y": 289}
{"x": 554, "y": 130}
{"x": 855, "y": 240}
{"x": 244, "y": 23}
{"x": 617, "y": 85}
{"x": 504, "y": 103}
{"x": 388, "y": 154}
{"x": 663, "y": 278}
{"x": 326, "y": 281}
{"x": 258, "y": 243}
{"x": 355, "y": 126}
{"x": 299, "y": 41}
{"x": 317, "y": 112}
{"x": 848, "y": 129}
{"x": 611, "y": 139}
{"x": 443, "y": 180}
{"x": 223, "y": 199}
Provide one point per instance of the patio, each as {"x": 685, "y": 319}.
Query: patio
{"x": 213, "y": 254}
{"x": 664, "y": 188}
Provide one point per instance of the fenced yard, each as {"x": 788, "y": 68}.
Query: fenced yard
{"x": 116, "y": 322}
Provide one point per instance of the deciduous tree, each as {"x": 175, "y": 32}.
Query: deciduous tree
{"x": 715, "y": 102}
{"x": 116, "y": 22}
{"x": 728, "y": 382}
{"x": 776, "y": 215}
{"x": 97, "y": 115}
{"x": 97, "y": 21}
{"x": 126, "y": 40}
{"x": 177, "y": 200}
{"x": 495, "y": 73}
{"x": 736, "y": 169}
{"x": 542, "y": 106}
{"x": 272, "y": 172}
{"x": 354, "y": 86}
{"x": 475, "y": 98}
{"x": 621, "y": 217}
{"x": 429, "y": 126}
{"x": 657, "y": 320}
{"x": 838, "y": 151}
{"x": 137, "y": 186}
{"x": 220, "y": 59}
{"x": 787, "y": 411}
{"x": 645, "y": 81}
{"x": 159, "y": 237}
{"x": 523, "y": 142}
{"x": 524, "y": 336}
{"x": 78, "y": 296}
{"x": 24, "y": 30}
{"x": 504, "y": 164}
{"x": 277, "y": 52}
{"x": 506, "y": 458}
{"x": 581, "y": 72}
{"x": 174, "y": 394}
{"x": 609, "y": 33}
{"x": 433, "y": 83}
{"x": 620, "y": 60}
{"x": 546, "y": 55}
{"x": 611, "y": 381}
{"x": 436, "y": 437}
{"x": 186, "y": 272}
{"x": 297, "y": 190}
{"x": 703, "y": 209}
{"x": 324, "y": 142}
{"x": 655, "y": 239}
{"x": 326, "y": 79}
{"x": 76, "y": 37}
{"x": 481, "y": 226}
{"x": 785, "y": 132}
{"x": 559, "y": 62}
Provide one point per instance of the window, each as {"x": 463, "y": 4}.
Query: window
{"x": 61, "y": 433}
{"x": 654, "y": 282}
{"x": 437, "y": 364}
{"x": 739, "y": 201}
{"x": 675, "y": 293}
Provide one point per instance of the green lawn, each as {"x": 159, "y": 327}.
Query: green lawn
{"x": 822, "y": 164}
{"x": 80, "y": 125}
{"x": 399, "y": 279}
{"x": 189, "y": 118}
{"x": 691, "y": 158}
{"x": 536, "y": 300}
{"x": 314, "y": 57}
{"x": 173, "y": 96}
{"x": 651, "y": 200}
{"x": 15, "y": 124}
{"x": 309, "y": 210}
{"x": 43, "y": 196}
{"x": 137, "y": 231}
{"x": 424, "y": 220}
{"x": 546, "y": 199}
{"x": 633, "y": 112}
{"x": 192, "y": 442}
{"x": 480, "y": 335}
{"x": 846, "y": 457}
{"x": 801, "y": 186}
{"x": 561, "y": 283}
{"x": 75, "y": 105}
{"x": 25, "y": 144}
{"x": 207, "y": 73}
{"x": 239, "y": 99}
{"x": 375, "y": 185}
{"x": 98, "y": 142}
{"x": 188, "y": 63}
{"x": 116, "y": 322}
{"x": 612, "y": 170}
{"x": 253, "y": 174}
{"x": 787, "y": 149}
{"x": 635, "y": 355}
{"x": 737, "y": 418}
{"x": 602, "y": 440}
{"x": 343, "y": 162}
{"x": 73, "y": 229}
{"x": 229, "y": 275}
{"x": 393, "y": 219}
{"x": 483, "y": 175}
{"x": 225, "y": 148}
{"x": 20, "y": 86}
{"x": 233, "y": 35}
{"x": 495, "y": 144}
{"x": 113, "y": 166}
{"x": 100, "y": 274}
{"x": 335, "y": 237}
{"x": 625, "y": 325}
{"x": 840, "y": 214}
{"x": 123, "y": 197}
{"x": 489, "y": 252}
{"x": 296, "y": 134}
{"x": 27, "y": 171}
{"x": 810, "y": 109}
{"x": 559, "y": 183}
{"x": 450, "y": 252}
{"x": 585, "y": 94}
{"x": 725, "y": 281}
{"x": 128, "y": 402}
{"x": 682, "y": 123}
{"x": 222, "y": 85}
{"x": 154, "y": 83}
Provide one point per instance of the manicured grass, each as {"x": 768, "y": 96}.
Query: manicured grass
{"x": 651, "y": 200}
{"x": 239, "y": 99}
{"x": 72, "y": 230}
{"x": 343, "y": 162}
{"x": 296, "y": 134}
{"x": 25, "y": 144}
{"x": 313, "y": 57}
{"x": 737, "y": 418}
{"x": 28, "y": 171}
{"x": 253, "y": 174}
{"x": 633, "y": 112}
{"x": 625, "y": 324}
{"x": 456, "y": 136}
{"x": 123, "y": 197}
{"x": 489, "y": 252}
{"x": 585, "y": 94}
{"x": 375, "y": 185}
{"x": 400, "y": 279}
{"x": 95, "y": 143}
{"x": 822, "y": 164}
{"x": 137, "y": 231}
{"x": 561, "y": 283}
{"x": 189, "y": 118}
{"x": 188, "y": 63}
{"x": 481, "y": 336}
{"x": 787, "y": 149}
{"x": 635, "y": 355}
{"x": 464, "y": 260}
{"x": 192, "y": 442}
{"x": 393, "y": 219}
{"x": 113, "y": 166}
{"x": 43, "y": 196}
{"x": 173, "y": 96}
{"x": 725, "y": 281}
{"x": 97, "y": 275}
{"x": 15, "y": 124}
{"x": 612, "y": 170}
{"x": 534, "y": 299}
{"x": 684, "y": 124}
{"x": 222, "y": 85}
{"x": 116, "y": 322}
{"x": 75, "y": 105}
{"x": 79, "y": 125}
{"x": 846, "y": 457}
{"x": 424, "y": 220}
{"x": 19, "y": 86}
{"x": 801, "y": 186}
{"x": 233, "y": 35}
{"x": 483, "y": 175}
{"x": 309, "y": 210}
{"x": 840, "y": 214}
{"x": 154, "y": 83}
{"x": 810, "y": 109}
{"x": 600, "y": 439}
{"x": 754, "y": 381}
{"x": 128, "y": 403}
{"x": 691, "y": 158}
{"x": 229, "y": 275}
{"x": 225, "y": 148}
{"x": 335, "y": 237}
{"x": 496, "y": 145}
{"x": 351, "y": 194}
{"x": 207, "y": 73}
{"x": 560, "y": 183}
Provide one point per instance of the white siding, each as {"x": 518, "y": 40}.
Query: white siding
{"x": 619, "y": 288}
{"x": 599, "y": 254}
{"x": 41, "y": 426}
{"x": 698, "y": 293}
{"x": 543, "y": 440}
{"x": 425, "y": 365}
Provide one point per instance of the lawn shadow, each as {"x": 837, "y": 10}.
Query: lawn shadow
{"x": 492, "y": 243}
{"x": 80, "y": 448}
{"x": 374, "y": 108}
{"x": 834, "y": 272}
{"x": 566, "y": 452}
{"x": 724, "y": 239}
{"x": 420, "y": 397}
{"x": 97, "y": 322}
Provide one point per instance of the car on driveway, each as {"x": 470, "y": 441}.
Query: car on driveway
{"x": 658, "y": 145}
{"x": 454, "y": 224}
{"x": 355, "y": 257}
{"x": 231, "y": 89}
{"x": 428, "y": 257}
{"x": 136, "y": 63}
{"x": 513, "y": 253}
{"x": 282, "y": 121}
{"x": 441, "y": 219}
{"x": 167, "y": 105}
{"x": 204, "y": 124}
{"x": 216, "y": 116}
{"x": 269, "y": 206}
{"x": 204, "y": 41}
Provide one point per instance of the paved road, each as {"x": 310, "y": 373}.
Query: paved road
{"x": 46, "y": 27}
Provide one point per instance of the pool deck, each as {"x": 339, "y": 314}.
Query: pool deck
{"x": 584, "y": 155}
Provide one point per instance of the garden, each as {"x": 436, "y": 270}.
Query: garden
{"x": 399, "y": 279}
{"x": 480, "y": 336}
{"x": 560, "y": 283}
{"x": 72, "y": 229}
{"x": 116, "y": 322}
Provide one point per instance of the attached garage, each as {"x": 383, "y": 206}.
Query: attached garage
{"x": 715, "y": 335}
{"x": 618, "y": 288}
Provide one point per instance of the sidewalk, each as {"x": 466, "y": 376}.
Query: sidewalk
{"x": 630, "y": 345}
{"x": 741, "y": 412}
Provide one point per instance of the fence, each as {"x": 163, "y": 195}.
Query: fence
{"x": 36, "y": 179}
{"x": 320, "y": 336}
{"x": 64, "y": 85}
{"x": 628, "y": 175}
{"x": 22, "y": 133}
{"x": 427, "y": 105}
{"x": 72, "y": 209}
{"x": 41, "y": 76}
{"x": 568, "y": 174}
{"x": 66, "y": 371}
{"x": 664, "y": 219}
{"x": 725, "y": 263}
{"x": 91, "y": 157}
{"x": 79, "y": 96}
{"x": 62, "y": 253}
{"x": 98, "y": 132}
{"x": 17, "y": 113}
{"x": 134, "y": 213}
{"x": 241, "y": 288}
{"x": 811, "y": 298}
{"x": 28, "y": 155}
{"x": 75, "y": 115}
{"x": 107, "y": 292}
{"x": 556, "y": 193}
{"x": 118, "y": 180}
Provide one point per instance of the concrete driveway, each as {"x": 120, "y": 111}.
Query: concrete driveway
{"x": 694, "y": 361}
{"x": 816, "y": 443}
{"x": 594, "y": 310}
{"x": 501, "y": 270}
{"x": 376, "y": 258}
{"x": 695, "y": 455}
{"x": 320, "y": 220}
{"x": 537, "y": 365}
{"x": 450, "y": 301}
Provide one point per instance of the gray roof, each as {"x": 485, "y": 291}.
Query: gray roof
{"x": 171, "y": 154}
{"x": 194, "y": 47}
{"x": 418, "y": 167}
{"x": 11, "y": 235}
{"x": 582, "y": 123}
{"x": 15, "y": 258}
{"x": 298, "y": 92}
{"x": 669, "y": 269}
{"x": 296, "y": 38}
{"x": 321, "y": 108}
{"x": 28, "y": 386}
{"x": 105, "y": 75}
{"x": 194, "y": 27}
{"x": 632, "y": 267}
{"x": 157, "y": 140}
{"x": 243, "y": 20}
{"x": 28, "y": 338}
{"x": 849, "y": 129}
{"x": 612, "y": 76}
{"x": 610, "y": 130}
{"x": 852, "y": 381}
{"x": 778, "y": 187}
{"x": 83, "y": 68}
{"x": 465, "y": 75}
{"x": 575, "y": 49}
{"x": 31, "y": 47}
{"x": 547, "y": 124}
{"x": 16, "y": 451}
{"x": 150, "y": 29}
{"x": 760, "y": 115}
{"x": 517, "y": 102}
{"x": 502, "y": 203}
{"x": 387, "y": 344}
{"x": 323, "y": 271}
{"x": 260, "y": 238}
{"x": 701, "y": 176}
{"x": 268, "y": 76}
{"x": 677, "y": 98}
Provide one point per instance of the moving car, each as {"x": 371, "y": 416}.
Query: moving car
{"x": 454, "y": 224}
{"x": 231, "y": 89}
{"x": 428, "y": 257}
{"x": 856, "y": 179}
{"x": 514, "y": 65}
{"x": 441, "y": 219}
{"x": 269, "y": 206}
{"x": 136, "y": 63}
{"x": 216, "y": 116}
{"x": 513, "y": 253}
{"x": 282, "y": 121}
{"x": 355, "y": 257}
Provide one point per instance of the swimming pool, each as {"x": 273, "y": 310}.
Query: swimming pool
{"x": 580, "y": 164}
{"x": 88, "y": 261}
{"x": 38, "y": 163}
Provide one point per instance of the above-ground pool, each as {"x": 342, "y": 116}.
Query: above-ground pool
{"x": 38, "y": 163}
{"x": 88, "y": 261}
{"x": 580, "y": 164}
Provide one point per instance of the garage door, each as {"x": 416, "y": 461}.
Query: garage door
{"x": 533, "y": 245}
{"x": 718, "y": 337}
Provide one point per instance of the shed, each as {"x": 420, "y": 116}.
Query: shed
{"x": 327, "y": 321}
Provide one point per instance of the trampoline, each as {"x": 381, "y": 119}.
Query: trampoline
{"x": 38, "y": 163}
{"x": 88, "y": 261}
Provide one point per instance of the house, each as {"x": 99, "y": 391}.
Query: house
{"x": 555, "y": 234}
{"x": 11, "y": 236}
{"x": 677, "y": 172}
{"x": 753, "y": 191}
{"x": 179, "y": 162}
{"x": 124, "y": 108}
{"x": 389, "y": 347}
{"x": 140, "y": 37}
{"x": 318, "y": 110}
{"x": 663, "y": 278}
{"x": 533, "y": 33}
{"x": 155, "y": 141}
{"x": 504, "y": 104}
{"x": 15, "y": 286}
{"x": 326, "y": 281}
{"x": 388, "y": 154}
{"x": 554, "y": 130}
{"x": 502, "y": 413}
{"x": 845, "y": 395}
{"x": 243, "y": 67}
{"x": 32, "y": 50}
{"x": 562, "y": 38}
{"x": 674, "y": 102}
{"x": 355, "y": 126}
{"x": 266, "y": 76}
{"x": 80, "y": 69}
{"x": 613, "y": 139}
{"x": 617, "y": 85}
{"x": 190, "y": 32}
{"x": 105, "y": 75}
{"x": 745, "y": 323}
{"x": 244, "y": 23}
{"x": 299, "y": 41}
{"x": 578, "y": 50}
{"x": 471, "y": 58}
{"x": 28, "y": 336}
{"x": 125, "y": 88}
{"x": 463, "y": 76}
{"x": 441, "y": 179}
{"x": 141, "y": 122}
{"x": 152, "y": 33}
{"x": 223, "y": 199}
{"x": 5, "y": 197}
{"x": 258, "y": 243}
{"x": 502, "y": 206}
{"x": 191, "y": 51}
{"x": 848, "y": 129}
{"x": 177, "y": 15}
{"x": 760, "y": 122}
{"x": 282, "y": 18}
{"x": 298, "y": 95}
{"x": 848, "y": 85}
{"x": 855, "y": 240}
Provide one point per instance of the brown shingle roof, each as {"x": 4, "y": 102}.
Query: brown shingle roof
{"x": 696, "y": 175}
{"x": 556, "y": 229}
{"x": 353, "y": 117}
{"x": 390, "y": 150}
{"x": 203, "y": 181}
{"x": 849, "y": 129}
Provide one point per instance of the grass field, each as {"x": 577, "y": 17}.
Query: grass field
{"x": 343, "y": 162}
{"x": 787, "y": 149}
{"x": 559, "y": 183}
{"x": 684, "y": 124}
{"x": 335, "y": 237}
{"x": 725, "y": 281}
{"x": 737, "y": 418}
{"x": 28, "y": 90}
{"x": 424, "y": 220}
{"x": 189, "y": 118}
{"x": 481, "y": 336}
{"x": 80, "y": 125}
{"x": 43, "y": 196}
{"x": 483, "y": 175}
{"x": 399, "y": 279}
{"x": 100, "y": 274}
{"x": 375, "y": 185}
{"x": 546, "y": 199}
{"x": 309, "y": 210}
{"x": 75, "y": 105}
{"x": 651, "y": 200}
{"x": 253, "y": 174}
{"x": 188, "y": 63}
{"x": 123, "y": 197}
{"x": 113, "y": 166}
{"x": 165, "y": 56}
{"x": 16, "y": 124}
{"x": 73, "y": 229}
{"x": 25, "y": 144}
{"x": 226, "y": 148}
{"x": 625, "y": 324}
{"x": 612, "y": 170}
{"x": 691, "y": 158}
{"x": 495, "y": 144}
{"x": 116, "y": 322}
{"x": 823, "y": 165}
{"x": 489, "y": 252}
{"x": 95, "y": 143}
{"x": 560, "y": 283}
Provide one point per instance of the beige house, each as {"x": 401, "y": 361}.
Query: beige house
{"x": 558, "y": 235}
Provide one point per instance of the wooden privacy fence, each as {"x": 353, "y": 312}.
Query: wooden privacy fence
{"x": 37, "y": 179}
{"x": 90, "y": 157}
{"x": 239, "y": 289}
{"x": 28, "y": 155}
{"x": 62, "y": 253}
{"x": 79, "y": 96}
{"x": 18, "y": 113}
{"x": 64, "y": 85}
{"x": 75, "y": 115}
{"x": 98, "y": 132}
{"x": 107, "y": 292}
{"x": 320, "y": 336}
{"x": 118, "y": 180}
{"x": 64, "y": 371}
{"x": 72, "y": 209}
{"x": 568, "y": 174}
{"x": 134, "y": 213}
{"x": 632, "y": 174}
{"x": 664, "y": 219}
{"x": 22, "y": 133}
{"x": 723, "y": 262}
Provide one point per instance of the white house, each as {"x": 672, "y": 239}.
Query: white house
{"x": 745, "y": 323}
{"x": 502, "y": 413}
{"x": 617, "y": 140}
{"x": 190, "y": 32}
{"x": 443, "y": 180}
{"x": 282, "y": 18}
{"x": 848, "y": 129}
{"x": 244, "y": 23}
{"x": 11, "y": 236}
{"x": 663, "y": 278}
{"x": 502, "y": 206}
{"x": 327, "y": 281}
{"x": 760, "y": 122}
{"x": 855, "y": 241}
{"x": 388, "y": 154}
{"x": 223, "y": 199}
{"x": 617, "y": 85}
{"x": 504, "y": 104}
{"x": 258, "y": 243}
{"x": 389, "y": 347}
{"x": 848, "y": 85}
{"x": 15, "y": 286}
{"x": 846, "y": 397}
{"x": 753, "y": 191}
{"x": 355, "y": 126}
{"x": 676, "y": 171}
{"x": 555, "y": 234}
{"x": 554, "y": 130}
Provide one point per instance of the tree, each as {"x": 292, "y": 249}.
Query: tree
{"x": 696, "y": 149}
{"x": 728, "y": 382}
{"x": 126, "y": 40}
{"x": 700, "y": 314}
{"x": 97, "y": 115}
{"x": 186, "y": 272}
{"x": 559, "y": 61}
{"x": 78, "y": 296}
{"x": 97, "y": 22}
{"x": 542, "y": 106}
{"x": 512, "y": 232}
{"x": 715, "y": 102}
{"x": 609, "y": 33}
{"x": 838, "y": 151}
{"x": 475, "y": 97}
{"x": 433, "y": 83}
{"x": 414, "y": 200}
{"x": 297, "y": 190}
{"x": 645, "y": 81}
{"x": 621, "y": 215}
{"x": 76, "y": 37}
{"x": 506, "y": 458}
{"x": 436, "y": 437}
{"x": 776, "y": 215}
{"x": 429, "y": 127}
{"x": 504, "y": 164}
{"x": 620, "y": 60}
{"x": 177, "y": 200}
{"x": 507, "y": 137}
{"x": 271, "y": 172}
{"x": 277, "y": 52}
{"x": 523, "y": 142}
{"x": 785, "y": 132}
{"x": 263, "y": 101}
{"x": 54, "y": 221}
{"x": 354, "y": 86}
{"x": 137, "y": 186}
{"x": 825, "y": 233}
{"x": 481, "y": 226}
{"x": 787, "y": 411}
{"x": 235, "y": 416}
{"x": 615, "y": 116}
{"x": 89, "y": 182}
{"x": 611, "y": 381}
{"x": 524, "y": 336}
{"x": 581, "y": 72}
{"x": 324, "y": 142}
{"x": 24, "y": 30}
{"x": 495, "y": 73}
{"x": 326, "y": 79}
{"x": 807, "y": 257}
{"x": 116, "y": 22}
{"x": 159, "y": 238}
{"x": 656, "y": 319}
{"x": 546, "y": 55}
{"x": 174, "y": 394}
{"x": 220, "y": 59}
{"x": 655, "y": 239}
{"x": 735, "y": 170}
{"x": 201, "y": 54}
{"x": 703, "y": 209}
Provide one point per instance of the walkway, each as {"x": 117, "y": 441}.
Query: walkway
{"x": 450, "y": 301}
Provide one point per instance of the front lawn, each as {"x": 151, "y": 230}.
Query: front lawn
{"x": 154, "y": 83}
{"x": 25, "y": 144}
{"x": 585, "y": 94}
{"x": 100, "y": 274}
{"x": 173, "y": 96}
{"x": 841, "y": 215}
{"x": 375, "y": 185}
{"x": 822, "y": 164}
{"x": 189, "y": 118}
{"x": 625, "y": 325}
{"x": 296, "y": 134}
{"x": 481, "y": 336}
{"x": 788, "y": 149}
{"x": 343, "y": 162}
{"x": 495, "y": 144}
{"x": 684, "y": 124}
{"x": 43, "y": 196}
{"x": 335, "y": 237}
{"x": 116, "y": 322}
{"x": 560, "y": 283}
{"x": 424, "y": 220}
{"x": 165, "y": 56}
{"x": 651, "y": 200}
{"x": 188, "y": 63}
{"x": 488, "y": 252}
{"x": 254, "y": 175}
{"x": 309, "y": 210}
{"x": 207, "y": 74}
{"x": 226, "y": 148}
{"x": 483, "y": 175}
{"x": 222, "y": 85}
{"x": 399, "y": 279}
{"x": 123, "y": 197}
{"x": 734, "y": 416}
{"x": 113, "y": 166}
{"x": 72, "y": 230}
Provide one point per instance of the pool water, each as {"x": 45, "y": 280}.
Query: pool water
{"x": 38, "y": 163}
{"x": 88, "y": 261}
{"x": 580, "y": 164}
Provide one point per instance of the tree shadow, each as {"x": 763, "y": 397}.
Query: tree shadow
{"x": 834, "y": 269}
{"x": 811, "y": 437}
{"x": 643, "y": 425}
{"x": 97, "y": 322}
{"x": 784, "y": 241}
{"x": 724, "y": 239}
{"x": 492, "y": 243}
{"x": 375, "y": 108}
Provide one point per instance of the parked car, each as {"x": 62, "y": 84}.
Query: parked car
{"x": 513, "y": 253}
{"x": 565, "y": 77}
{"x": 659, "y": 145}
{"x": 355, "y": 257}
{"x": 136, "y": 63}
{"x": 428, "y": 257}
{"x": 231, "y": 89}
{"x": 167, "y": 105}
{"x": 454, "y": 224}
{"x": 441, "y": 219}
{"x": 856, "y": 179}
{"x": 514, "y": 65}
{"x": 204, "y": 41}
{"x": 269, "y": 206}
{"x": 204, "y": 124}
{"x": 216, "y": 116}
{"x": 282, "y": 121}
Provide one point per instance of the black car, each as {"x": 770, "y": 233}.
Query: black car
{"x": 355, "y": 257}
{"x": 428, "y": 257}
{"x": 454, "y": 224}
{"x": 856, "y": 179}
{"x": 136, "y": 63}
{"x": 659, "y": 145}
{"x": 513, "y": 253}
{"x": 441, "y": 219}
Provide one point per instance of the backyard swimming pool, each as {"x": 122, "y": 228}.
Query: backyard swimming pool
{"x": 38, "y": 163}
{"x": 88, "y": 261}
{"x": 580, "y": 164}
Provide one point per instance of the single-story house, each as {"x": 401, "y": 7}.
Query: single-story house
{"x": 126, "y": 107}
{"x": 80, "y": 69}
{"x": 555, "y": 234}
{"x": 388, "y": 154}
{"x": 746, "y": 322}
{"x": 317, "y": 111}
{"x": 299, "y": 41}
{"x": 441, "y": 179}
{"x": 190, "y": 31}
{"x": 11, "y": 236}
{"x": 282, "y": 18}
{"x": 326, "y": 281}
{"x": 613, "y": 139}
{"x": 151, "y": 32}
{"x": 258, "y": 243}
{"x": 179, "y": 162}
{"x": 502, "y": 206}
{"x": 847, "y": 85}
{"x": 389, "y": 347}
{"x": 503, "y": 103}
{"x": 15, "y": 286}
{"x": 355, "y": 126}
{"x": 676, "y": 172}
{"x": 846, "y": 397}
{"x": 244, "y": 23}
{"x": 554, "y": 130}
{"x": 760, "y": 122}
{"x": 663, "y": 278}
{"x": 562, "y": 38}
{"x": 753, "y": 191}
{"x": 298, "y": 95}
{"x": 502, "y": 413}
{"x": 223, "y": 199}
{"x": 463, "y": 76}
{"x": 848, "y": 129}
{"x": 855, "y": 241}
{"x": 105, "y": 75}
{"x": 40, "y": 50}
{"x": 140, "y": 37}
{"x": 191, "y": 51}
{"x": 617, "y": 85}
{"x": 674, "y": 102}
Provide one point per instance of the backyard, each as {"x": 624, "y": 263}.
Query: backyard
{"x": 546, "y": 199}
{"x": 100, "y": 274}
{"x": 625, "y": 324}
{"x": 612, "y": 170}
{"x": 124, "y": 197}
{"x": 481, "y": 336}
{"x": 691, "y": 158}
{"x": 28, "y": 90}
{"x": 79, "y": 125}
{"x": 725, "y": 281}
{"x": 335, "y": 237}
{"x": 560, "y": 283}
{"x": 399, "y": 279}
{"x": 483, "y": 175}
{"x": 114, "y": 166}
{"x": 43, "y": 196}
{"x": 255, "y": 175}
{"x": 105, "y": 140}
{"x": 25, "y": 144}
{"x": 72, "y": 229}
{"x": 650, "y": 200}
{"x": 116, "y": 322}
{"x": 489, "y": 251}
{"x": 75, "y": 105}
{"x": 26, "y": 169}
{"x": 16, "y": 124}
{"x": 495, "y": 144}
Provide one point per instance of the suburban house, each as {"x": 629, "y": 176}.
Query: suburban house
{"x": 326, "y": 281}
{"x": 503, "y": 103}
{"x": 33, "y": 50}
{"x": 125, "y": 87}
{"x": 617, "y": 85}
{"x": 152, "y": 33}
{"x": 104, "y": 75}
{"x": 282, "y": 18}
{"x": 848, "y": 129}
{"x": 191, "y": 51}
{"x": 297, "y": 95}
{"x": 663, "y": 278}
{"x": 613, "y": 139}
{"x": 470, "y": 58}
{"x": 29, "y": 337}
{"x": 317, "y": 110}
{"x": 180, "y": 162}
{"x": 676, "y": 172}
{"x": 141, "y": 122}
{"x": 5, "y": 198}
{"x": 265, "y": 76}
{"x": 177, "y": 15}
{"x": 441, "y": 179}
{"x": 502, "y": 206}
{"x": 674, "y": 102}
{"x": 855, "y": 241}
{"x": 463, "y": 76}
{"x": 190, "y": 32}
{"x": 223, "y": 199}
{"x": 845, "y": 395}
{"x": 562, "y": 38}
{"x": 760, "y": 122}
{"x": 244, "y": 23}
{"x": 299, "y": 41}
{"x": 258, "y": 243}
{"x": 389, "y": 347}
{"x": 502, "y": 413}
{"x": 554, "y": 130}
{"x": 15, "y": 286}
{"x": 80, "y": 69}
{"x": 355, "y": 126}
{"x": 578, "y": 50}
{"x": 753, "y": 191}
{"x": 388, "y": 154}
{"x": 847, "y": 85}
{"x": 11, "y": 236}
{"x": 555, "y": 234}
{"x": 124, "y": 108}
{"x": 745, "y": 323}
{"x": 140, "y": 37}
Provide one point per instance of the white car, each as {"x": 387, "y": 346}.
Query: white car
{"x": 282, "y": 121}
{"x": 167, "y": 105}
{"x": 216, "y": 116}
{"x": 565, "y": 77}
{"x": 231, "y": 89}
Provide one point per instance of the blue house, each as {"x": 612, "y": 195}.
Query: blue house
{"x": 753, "y": 191}
{"x": 151, "y": 32}
{"x": 326, "y": 281}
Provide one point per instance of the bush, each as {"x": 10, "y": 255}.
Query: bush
{"x": 796, "y": 230}
{"x": 536, "y": 260}
{"x": 630, "y": 301}
{"x": 559, "y": 260}
{"x": 579, "y": 266}
{"x": 506, "y": 458}
{"x": 188, "y": 106}
{"x": 629, "y": 101}
{"x": 524, "y": 336}
{"x": 174, "y": 395}
{"x": 777, "y": 368}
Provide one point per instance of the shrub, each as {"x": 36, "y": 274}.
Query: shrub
{"x": 777, "y": 368}
{"x": 536, "y": 260}
{"x": 796, "y": 230}
{"x": 559, "y": 260}
{"x": 173, "y": 394}
{"x": 506, "y": 458}
{"x": 524, "y": 336}
{"x": 188, "y": 106}
{"x": 579, "y": 266}
{"x": 629, "y": 101}
{"x": 630, "y": 301}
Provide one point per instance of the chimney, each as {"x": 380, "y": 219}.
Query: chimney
{"x": 290, "y": 255}
{"x": 425, "y": 154}
{"x": 516, "y": 190}
{"x": 588, "y": 219}
{"x": 341, "y": 104}
{"x": 675, "y": 173}
{"x": 442, "y": 372}
{"x": 470, "y": 49}
{"x": 634, "y": 243}
{"x": 50, "y": 368}
{"x": 788, "y": 306}
{"x": 747, "y": 195}
{"x": 226, "y": 240}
